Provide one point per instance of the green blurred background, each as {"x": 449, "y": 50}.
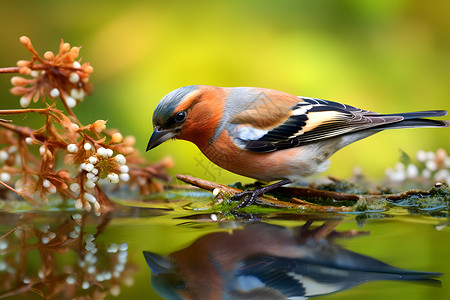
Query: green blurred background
{"x": 386, "y": 56}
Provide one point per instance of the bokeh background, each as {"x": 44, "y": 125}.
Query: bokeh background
{"x": 386, "y": 56}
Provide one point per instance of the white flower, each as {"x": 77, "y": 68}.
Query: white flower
{"x": 29, "y": 141}
{"x": 89, "y": 167}
{"x": 54, "y": 93}
{"x": 124, "y": 169}
{"x": 431, "y": 155}
{"x": 71, "y": 102}
{"x": 412, "y": 171}
{"x": 72, "y": 148}
{"x": 431, "y": 165}
{"x": 87, "y": 146}
{"x": 90, "y": 197}
{"x": 46, "y": 183}
{"x": 34, "y": 73}
{"x": 89, "y": 184}
{"x": 85, "y": 285}
{"x": 77, "y": 217}
{"x": 124, "y": 177}
{"x": 5, "y": 177}
{"x": 78, "y": 204}
{"x": 421, "y": 156}
{"x": 12, "y": 149}
{"x": 442, "y": 175}
{"x": 77, "y": 94}
{"x": 70, "y": 279}
{"x": 426, "y": 173}
{"x": 113, "y": 248}
{"x": 123, "y": 247}
{"x": 42, "y": 150}
{"x": 74, "y": 77}
{"x": 94, "y": 171}
{"x": 74, "y": 126}
{"x": 109, "y": 152}
{"x": 93, "y": 160}
{"x": 3, "y": 155}
{"x": 101, "y": 151}
{"x": 99, "y": 277}
{"x": 76, "y": 65}
{"x": 120, "y": 159}
{"x": 24, "y": 101}
{"x": 113, "y": 177}
{"x": 51, "y": 189}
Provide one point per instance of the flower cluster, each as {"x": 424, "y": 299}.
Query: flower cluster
{"x": 30, "y": 160}
{"x": 92, "y": 270}
{"x": 53, "y": 76}
{"x": 429, "y": 167}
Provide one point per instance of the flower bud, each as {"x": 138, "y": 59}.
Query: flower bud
{"x": 25, "y": 41}
{"x": 19, "y": 81}
{"x": 120, "y": 159}
{"x": 49, "y": 56}
{"x": 24, "y": 71}
{"x": 98, "y": 126}
{"x": 72, "y": 148}
{"x": 116, "y": 138}
{"x": 24, "y": 101}
{"x": 113, "y": 177}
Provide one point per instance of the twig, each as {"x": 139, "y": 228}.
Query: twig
{"x": 9, "y": 187}
{"x": 308, "y": 192}
{"x": 9, "y": 70}
{"x": 9, "y": 232}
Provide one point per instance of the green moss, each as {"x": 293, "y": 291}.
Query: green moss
{"x": 367, "y": 204}
{"x": 342, "y": 186}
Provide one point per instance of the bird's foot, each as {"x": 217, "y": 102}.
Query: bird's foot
{"x": 249, "y": 197}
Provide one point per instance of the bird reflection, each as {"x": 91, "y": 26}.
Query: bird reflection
{"x": 263, "y": 261}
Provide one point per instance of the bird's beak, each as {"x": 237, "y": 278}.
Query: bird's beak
{"x": 158, "y": 264}
{"x": 158, "y": 137}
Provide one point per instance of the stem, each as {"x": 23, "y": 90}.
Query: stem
{"x": 9, "y": 70}
{"x": 24, "y": 111}
{"x": 9, "y": 187}
{"x": 26, "y": 131}
{"x": 9, "y": 232}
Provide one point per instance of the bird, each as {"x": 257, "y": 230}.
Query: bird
{"x": 267, "y": 261}
{"x": 270, "y": 135}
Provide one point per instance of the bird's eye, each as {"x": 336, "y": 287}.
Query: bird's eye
{"x": 180, "y": 116}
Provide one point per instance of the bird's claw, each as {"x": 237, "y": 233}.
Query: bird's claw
{"x": 248, "y": 198}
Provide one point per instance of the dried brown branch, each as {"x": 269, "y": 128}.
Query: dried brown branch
{"x": 308, "y": 192}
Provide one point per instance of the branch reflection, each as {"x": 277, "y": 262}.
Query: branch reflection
{"x": 58, "y": 257}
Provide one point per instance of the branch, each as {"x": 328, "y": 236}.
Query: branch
{"x": 264, "y": 200}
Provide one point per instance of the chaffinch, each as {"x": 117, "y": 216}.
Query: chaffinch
{"x": 268, "y": 134}
{"x": 264, "y": 261}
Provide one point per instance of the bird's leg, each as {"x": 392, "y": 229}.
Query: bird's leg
{"x": 251, "y": 196}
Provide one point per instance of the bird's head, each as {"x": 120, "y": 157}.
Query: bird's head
{"x": 190, "y": 113}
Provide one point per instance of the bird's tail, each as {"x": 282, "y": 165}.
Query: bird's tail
{"x": 416, "y": 119}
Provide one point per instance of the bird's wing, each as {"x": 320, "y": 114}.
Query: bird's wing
{"x": 307, "y": 121}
